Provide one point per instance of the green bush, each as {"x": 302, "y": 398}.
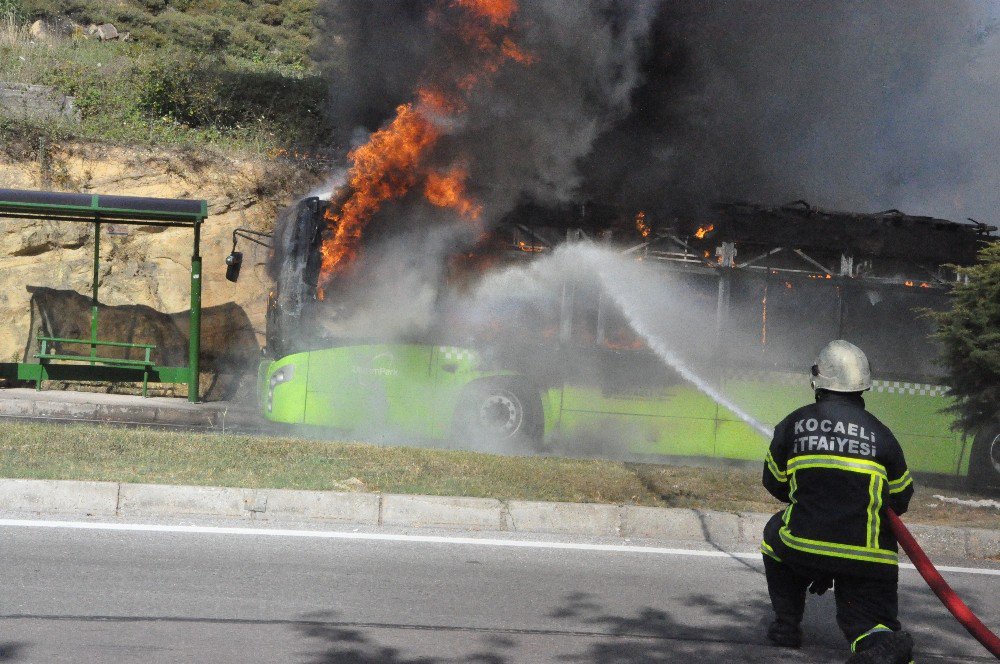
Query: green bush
{"x": 278, "y": 31}
{"x": 11, "y": 10}
{"x": 179, "y": 89}
{"x": 970, "y": 335}
{"x": 202, "y": 92}
{"x": 189, "y": 77}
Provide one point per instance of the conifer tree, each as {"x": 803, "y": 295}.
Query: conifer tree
{"x": 970, "y": 337}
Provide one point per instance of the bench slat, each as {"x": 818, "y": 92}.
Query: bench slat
{"x": 88, "y": 342}
{"x": 100, "y": 360}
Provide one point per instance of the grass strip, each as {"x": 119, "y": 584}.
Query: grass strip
{"x": 114, "y": 454}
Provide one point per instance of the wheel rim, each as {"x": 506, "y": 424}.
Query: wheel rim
{"x": 995, "y": 454}
{"x": 501, "y": 414}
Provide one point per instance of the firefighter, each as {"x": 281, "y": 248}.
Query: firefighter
{"x": 839, "y": 469}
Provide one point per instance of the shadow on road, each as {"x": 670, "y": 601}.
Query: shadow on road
{"x": 578, "y": 626}
{"x": 10, "y": 652}
{"x": 579, "y": 630}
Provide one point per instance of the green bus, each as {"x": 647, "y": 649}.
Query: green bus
{"x": 571, "y": 375}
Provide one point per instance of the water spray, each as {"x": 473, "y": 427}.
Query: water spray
{"x": 613, "y": 287}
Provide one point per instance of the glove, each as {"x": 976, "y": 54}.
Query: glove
{"x": 820, "y": 586}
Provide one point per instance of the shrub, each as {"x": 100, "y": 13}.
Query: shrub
{"x": 11, "y": 11}
{"x": 970, "y": 336}
{"x": 269, "y": 31}
{"x": 189, "y": 77}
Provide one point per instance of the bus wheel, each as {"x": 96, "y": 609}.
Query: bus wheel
{"x": 984, "y": 465}
{"x": 496, "y": 415}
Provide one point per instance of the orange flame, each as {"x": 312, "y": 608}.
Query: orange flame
{"x": 497, "y": 12}
{"x": 447, "y": 190}
{"x": 703, "y": 231}
{"x": 394, "y": 161}
{"x": 641, "y": 225}
{"x": 384, "y": 168}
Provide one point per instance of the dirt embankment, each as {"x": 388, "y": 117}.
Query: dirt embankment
{"x": 141, "y": 265}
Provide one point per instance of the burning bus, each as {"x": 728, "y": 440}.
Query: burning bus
{"x": 559, "y": 355}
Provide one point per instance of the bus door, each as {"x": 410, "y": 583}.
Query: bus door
{"x": 618, "y": 391}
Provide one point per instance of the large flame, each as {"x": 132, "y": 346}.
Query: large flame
{"x": 395, "y": 159}
{"x": 447, "y": 190}
{"x": 384, "y": 168}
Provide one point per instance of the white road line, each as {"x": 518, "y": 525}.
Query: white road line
{"x": 418, "y": 539}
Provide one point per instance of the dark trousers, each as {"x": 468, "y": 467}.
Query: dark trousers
{"x": 861, "y": 603}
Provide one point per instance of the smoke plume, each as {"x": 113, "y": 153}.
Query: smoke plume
{"x": 848, "y": 104}
{"x": 670, "y": 106}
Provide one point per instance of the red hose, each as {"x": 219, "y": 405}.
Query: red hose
{"x": 952, "y": 602}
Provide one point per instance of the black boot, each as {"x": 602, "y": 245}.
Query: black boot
{"x": 785, "y": 634}
{"x": 884, "y": 648}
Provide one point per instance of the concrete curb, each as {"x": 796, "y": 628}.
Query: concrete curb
{"x": 155, "y": 411}
{"x": 110, "y": 499}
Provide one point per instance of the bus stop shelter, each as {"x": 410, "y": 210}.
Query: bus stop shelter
{"x": 92, "y": 359}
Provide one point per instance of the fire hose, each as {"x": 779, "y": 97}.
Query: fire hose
{"x": 948, "y": 597}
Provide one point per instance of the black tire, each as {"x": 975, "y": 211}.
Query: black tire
{"x": 499, "y": 416}
{"x": 984, "y": 464}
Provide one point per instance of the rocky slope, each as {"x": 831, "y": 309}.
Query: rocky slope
{"x": 144, "y": 266}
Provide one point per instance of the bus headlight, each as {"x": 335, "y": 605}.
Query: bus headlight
{"x": 282, "y": 375}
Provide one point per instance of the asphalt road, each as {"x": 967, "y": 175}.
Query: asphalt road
{"x": 90, "y": 595}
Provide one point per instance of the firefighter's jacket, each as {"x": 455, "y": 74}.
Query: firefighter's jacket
{"x": 839, "y": 468}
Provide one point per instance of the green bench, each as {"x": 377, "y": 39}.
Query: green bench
{"x": 45, "y": 356}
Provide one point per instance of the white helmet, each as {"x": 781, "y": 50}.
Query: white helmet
{"x": 841, "y": 367}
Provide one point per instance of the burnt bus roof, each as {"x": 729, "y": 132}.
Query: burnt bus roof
{"x": 890, "y": 234}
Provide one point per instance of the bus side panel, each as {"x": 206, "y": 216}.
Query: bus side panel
{"x": 767, "y": 399}
{"x": 376, "y": 389}
{"x": 680, "y": 422}
{"x": 916, "y": 419}
{"x": 405, "y": 373}
{"x": 452, "y": 369}
{"x": 335, "y": 397}
{"x": 922, "y": 429}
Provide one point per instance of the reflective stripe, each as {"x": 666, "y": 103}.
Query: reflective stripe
{"x": 773, "y": 467}
{"x": 837, "y": 463}
{"x": 870, "y": 552}
{"x": 766, "y": 549}
{"x": 793, "y": 486}
{"x": 874, "y": 506}
{"x": 837, "y": 550}
{"x": 874, "y": 630}
{"x": 897, "y": 485}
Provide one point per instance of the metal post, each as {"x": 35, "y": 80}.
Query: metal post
{"x": 602, "y": 323}
{"x": 727, "y": 261}
{"x": 722, "y": 305}
{"x": 194, "y": 343}
{"x": 566, "y": 313}
{"x": 93, "y": 300}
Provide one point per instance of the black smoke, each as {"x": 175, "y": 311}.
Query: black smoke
{"x": 669, "y": 106}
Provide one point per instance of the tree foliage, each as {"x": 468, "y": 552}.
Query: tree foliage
{"x": 970, "y": 337}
